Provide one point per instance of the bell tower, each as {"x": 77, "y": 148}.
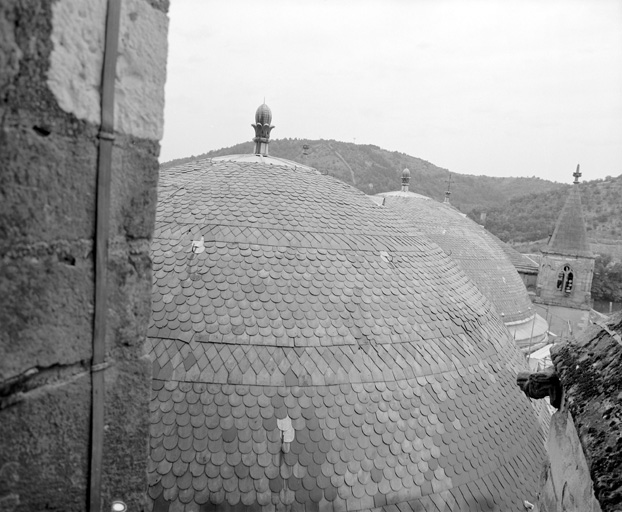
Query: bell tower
{"x": 567, "y": 265}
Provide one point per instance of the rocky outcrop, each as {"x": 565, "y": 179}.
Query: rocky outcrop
{"x": 585, "y": 441}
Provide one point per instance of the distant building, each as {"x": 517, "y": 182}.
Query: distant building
{"x": 566, "y": 269}
{"x": 479, "y": 254}
{"x": 313, "y": 351}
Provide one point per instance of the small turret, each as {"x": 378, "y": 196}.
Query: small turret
{"x": 405, "y": 180}
{"x": 263, "y": 118}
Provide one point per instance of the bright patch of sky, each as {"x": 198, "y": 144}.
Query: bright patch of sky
{"x": 500, "y": 88}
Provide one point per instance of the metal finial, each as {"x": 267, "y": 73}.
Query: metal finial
{"x": 405, "y": 180}
{"x": 448, "y": 191}
{"x": 577, "y": 174}
{"x": 263, "y": 118}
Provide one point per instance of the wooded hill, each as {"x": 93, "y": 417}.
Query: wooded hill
{"x": 518, "y": 209}
{"x": 374, "y": 170}
{"x": 533, "y": 216}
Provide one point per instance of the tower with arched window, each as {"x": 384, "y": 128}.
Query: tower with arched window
{"x": 566, "y": 269}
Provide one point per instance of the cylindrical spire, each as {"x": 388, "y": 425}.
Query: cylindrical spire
{"x": 405, "y": 180}
{"x": 577, "y": 175}
{"x": 448, "y": 191}
{"x": 263, "y": 118}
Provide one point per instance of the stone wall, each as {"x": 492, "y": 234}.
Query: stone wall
{"x": 51, "y": 56}
{"x": 530, "y": 280}
{"x": 585, "y": 438}
{"x": 546, "y": 288}
{"x": 566, "y": 482}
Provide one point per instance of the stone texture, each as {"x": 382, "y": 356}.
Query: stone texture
{"x": 580, "y": 296}
{"x": 566, "y": 482}
{"x": 44, "y": 447}
{"x": 48, "y": 158}
{"x": 590, "y": 371}
{"x": 76, "y": 61}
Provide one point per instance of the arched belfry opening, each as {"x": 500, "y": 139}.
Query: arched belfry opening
{"x": 565, "y": 279}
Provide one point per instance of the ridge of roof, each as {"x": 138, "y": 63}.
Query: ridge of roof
{"x": 519, "y": 260}
{"x": 263, "y": 159}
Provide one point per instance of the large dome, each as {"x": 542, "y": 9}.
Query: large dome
{"x": 311, "y": 351}
{"x": 481, "y": 257}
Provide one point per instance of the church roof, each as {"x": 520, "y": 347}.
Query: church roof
{"x": 570, "y": 235}
{"x": 311, "y": 351}
{"x": 304, "y": 300}
{"x": 469, "y": 244}
{"x": 264, "y": 159}
{"x": 521, "y": 262}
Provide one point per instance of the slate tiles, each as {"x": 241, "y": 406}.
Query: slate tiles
{"x": 313, "y": 352}
{"x": 476, "y": 251}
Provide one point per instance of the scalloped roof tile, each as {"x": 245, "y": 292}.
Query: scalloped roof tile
{"x": 311, "y": 351}
{"x": 475, "y": 250}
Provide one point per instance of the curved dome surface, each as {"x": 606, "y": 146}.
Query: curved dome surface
{"x": 478, "y": 254}
{"x": 313, "y": 352}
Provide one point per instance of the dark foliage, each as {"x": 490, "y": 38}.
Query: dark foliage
{"x": 533, "y": 216}
{"x": 607, "y": 281}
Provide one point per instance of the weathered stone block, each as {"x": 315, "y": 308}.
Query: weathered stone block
{"x": 44, "y": 441}
{"x": 52, "y": 53}
{"x": 45, "y": 306}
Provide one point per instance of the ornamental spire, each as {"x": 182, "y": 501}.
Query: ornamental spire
{"x": 405, "y": 180}
{"x": 577, "y": 175}
{"x": 448, "y": 191}
{"x": 263, "y": 118}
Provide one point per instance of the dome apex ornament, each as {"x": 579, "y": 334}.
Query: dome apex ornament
{"x": 577, "y": 174}
{"x": 263, "y": 118}
{"x": 405, "y": 180}
{"x": 448, "y": 191}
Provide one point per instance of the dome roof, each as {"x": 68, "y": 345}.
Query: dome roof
{"x": 313, "y": 351}
{"x": 465, "y": 241}
{"x": 263, "y": 115}
{"x": 264, "y": 159}
{"x": 481, "y": 257}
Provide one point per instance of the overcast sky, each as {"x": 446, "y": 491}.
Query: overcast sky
{"x": 494, "y": 87}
